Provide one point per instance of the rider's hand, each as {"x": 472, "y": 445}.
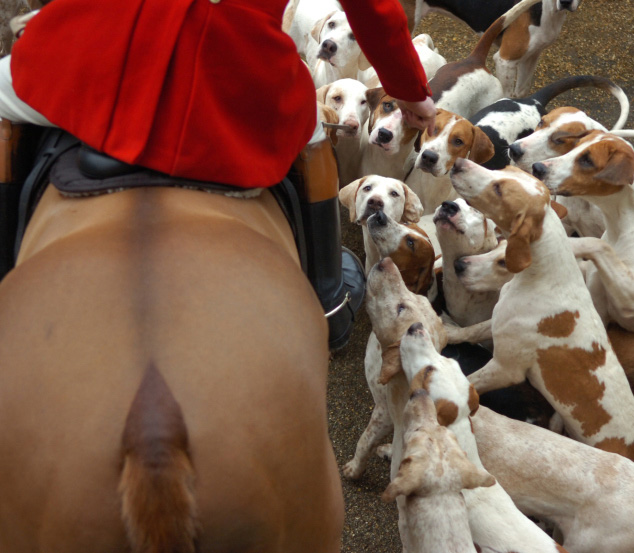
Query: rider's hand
{"x": 420, "y": 115}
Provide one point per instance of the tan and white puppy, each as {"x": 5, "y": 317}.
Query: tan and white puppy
{"x": 545, "y": 327}
{"x": 558, "y": 132}
{"x": 463, "y": 230}
{"x": 433, "y": 472}
{"x": 601, "y": 169}
{"x": 392, "y": 309}
{"x": 495, "y": 522}
{"x": 413, "y": 256}
{"x": 387, "y": 141}
{"x": 586, "y": 492}
{"x": 347, "y": 98}
{"x": 454, "y": 137}
{"x": 332, "y": 51}
{"x": 373, "y": 193}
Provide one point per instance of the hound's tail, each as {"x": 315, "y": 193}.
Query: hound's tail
{"x": 156, "y": 486}
{"x": 481, "y": 49}
{"x": 547, "y": 93}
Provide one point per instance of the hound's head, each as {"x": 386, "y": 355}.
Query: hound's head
{"x": 558, "y": 132}
{"x": 600, "y": 165}
{"x": 386, "y": 126}
{"x": 454, "y": 137}
{"x": 337, "y": 44}
{"x": 373, "y": 193}
{"x": 516, "y": 201}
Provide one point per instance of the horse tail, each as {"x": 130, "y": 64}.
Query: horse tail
{"x": 156, "y": 485}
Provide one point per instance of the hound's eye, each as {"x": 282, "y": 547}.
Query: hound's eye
{"x": 394, "y": 194}
{"x": 458, "y": 142}
{"x": 401, "y": 307}
{"x": 364, "y": 102}
{"x": 502, "y": 263}
{"x": 497, "y": 189}
{"x": 351, "y": 37}
{"x": 540, "y": 124}
{"x": 367, "y": 188}
{"x": 337, "y": 98}
{"x": 410, "y": 242}
{"x": 586, "y": 161}
{"x": 388, "y": 106}
{"x": 331, "y": 25}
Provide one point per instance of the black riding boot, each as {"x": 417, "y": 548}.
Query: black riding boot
{"x": 334, "y": 271}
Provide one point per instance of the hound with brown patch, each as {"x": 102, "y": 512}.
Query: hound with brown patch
{"x": 392, "y": 308}
{"x": 347, "y": 98}
{"x": 454, "y": 137}
{"x": 545, "y": 327}
{"x": 413, "y": 256}
{"x": 466, "y": 86}
{"x": 433, "y": 472}
{"x": 387, "y": 141}
{"x": 495, "y": 522}
{"x": 601, "y": 169}
{"x": 522, "y": 43}
{"x": 373, "y": 193}
{"x": 463, "y": 230}
{"x": 587, "y": 493}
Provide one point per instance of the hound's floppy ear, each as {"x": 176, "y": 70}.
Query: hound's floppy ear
{"x": 413, "y": 210}
{"x": 322, "y": 92}
{"x": 482, "y": 149}
{"x": 391, "y": 363}
{"x": 318, "y": 26}
{"x": 619, "y": 171}
{"x": 524, "y": 230}
{"x": 474, "y": 477}
{"x": 474, "y": 400}
{"x": 408, "y": 480}
{"x": 363, "y": 62}
{"x": 348, "y": 197}
{"x": 559, "y": 209}
{"x": 373, "y": 96}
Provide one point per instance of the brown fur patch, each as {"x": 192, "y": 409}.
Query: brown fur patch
{"x": 446, "y": 412}
{"x": 617, "y": 445}
{"x": 474, "y": 400}
{"x": 568, "y": 374}
{"x": 558, "y": 326}
{"x": 422, "y": 378}
{"x": 516, "y": 38}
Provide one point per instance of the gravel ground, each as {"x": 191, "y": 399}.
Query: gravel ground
{"x": 597, "y": 39}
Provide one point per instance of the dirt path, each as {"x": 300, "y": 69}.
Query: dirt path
{"x": 598, "y": 39}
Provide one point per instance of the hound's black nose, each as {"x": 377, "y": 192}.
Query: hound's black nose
{"x": 384, "y": 136}
{"x": 566, "y": 5}
{"x": 328, "y": 48}
{"x": 449, "y": 208}
{"x": 459, "y": 266}
{"x": 539, "y": 170}
{"x": 415, "y": 327}
{"x": 515, "y": 151}
{"x": 428, "y": 157}
{"x": 380, "y": 218}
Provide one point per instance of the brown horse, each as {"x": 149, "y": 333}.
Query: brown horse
{"x": 163, "y": 369}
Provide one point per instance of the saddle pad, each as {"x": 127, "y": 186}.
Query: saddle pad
{"x": 67, "y": 178}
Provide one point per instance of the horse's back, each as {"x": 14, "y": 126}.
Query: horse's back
{"x": 204, "y": 291}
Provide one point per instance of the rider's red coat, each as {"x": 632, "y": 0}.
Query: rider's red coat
{"x": 209, "y": 91}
